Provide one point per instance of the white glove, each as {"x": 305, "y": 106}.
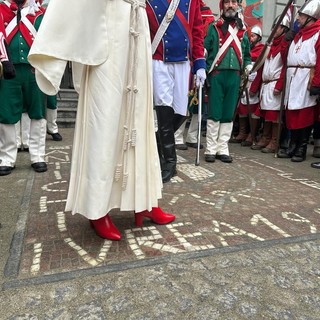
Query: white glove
{"x": 248, "y": 68}
{"x": 201, "y": 77}
{"x": 33, "y": 7}
{"x": 252, "y": 75}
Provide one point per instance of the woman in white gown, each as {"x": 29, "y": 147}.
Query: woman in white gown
{"x": 115, "y": 162}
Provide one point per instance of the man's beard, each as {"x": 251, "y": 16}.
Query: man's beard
{"x": 230, "y": 13}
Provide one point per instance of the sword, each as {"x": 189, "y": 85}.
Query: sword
{"x": 283, "y": 93}
{"x": 267, "y": 46}
{"x": 197, "y": 163}
{"x": 253, "y": 136}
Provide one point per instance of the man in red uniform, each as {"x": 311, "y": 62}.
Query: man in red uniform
{"x": 177, "y": 42}
{"x": 243, "y": 136}
{"x": 303, "y": 80}
{"x": 269, "y": 82}
{"x": 192, "y": 133}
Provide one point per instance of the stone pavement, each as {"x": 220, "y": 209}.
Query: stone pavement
{"x": 245, "y": 244}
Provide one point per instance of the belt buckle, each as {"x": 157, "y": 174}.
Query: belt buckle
{"x": 169, "y": 16}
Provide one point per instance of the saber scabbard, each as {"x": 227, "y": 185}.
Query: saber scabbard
{"x": 197, "y": 163}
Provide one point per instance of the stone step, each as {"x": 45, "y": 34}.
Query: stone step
{"x": 67, "y": 93}
{"x": 66, "y": 122}
{"x": 67, "y": 101}
{"x": 67, "y": 112}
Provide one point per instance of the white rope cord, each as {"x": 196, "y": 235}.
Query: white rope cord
{"x": 81, "y": 155}
{"x": 129, "y": 135}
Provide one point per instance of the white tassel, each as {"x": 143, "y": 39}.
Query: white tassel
{"x": 133, "y": 137}
{"x": 125, "y": 141}
{"x": 117, "y": 173}
{"x": 125, "y": 181}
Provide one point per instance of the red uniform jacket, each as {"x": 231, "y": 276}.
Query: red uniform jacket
{"x": 183, "y": 39}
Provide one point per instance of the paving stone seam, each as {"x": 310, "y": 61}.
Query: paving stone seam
{"x": 12, "y": 266}
{"x": 11, "y": 271}
{"x": 124, "y": 266}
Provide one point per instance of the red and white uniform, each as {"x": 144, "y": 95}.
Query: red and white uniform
{"x": 271, "y": 77}
{"x": 303, "y": 56}
{"x": 26, "y": 25}
{"x": 3, "y": 51}
{"x": 253, "y": 100}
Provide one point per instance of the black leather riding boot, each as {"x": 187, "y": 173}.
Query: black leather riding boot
{"x": 160, "y": 153}
{"x": 166, "y": 138}
{"x": 301, "y": 149}
{"x": 178, "y": 120}
{"x": 289, "y": 152}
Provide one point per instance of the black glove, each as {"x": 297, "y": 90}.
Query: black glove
{"x": 314, "y": 91}
{"x": 9, "y": 71}
{"x": 290, "y": 35}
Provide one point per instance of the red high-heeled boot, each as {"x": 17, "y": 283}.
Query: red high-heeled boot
{"x": 156, "y": 215}
{"x": 105, "y": 228}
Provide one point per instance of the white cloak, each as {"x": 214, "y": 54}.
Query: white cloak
{"x": 115, "y": 163}
{"x": 270, "y": 75}
{"x": 301, "y": 57}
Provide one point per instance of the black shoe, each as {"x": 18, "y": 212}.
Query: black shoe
{"x": 181, "y": 146}
{"x": 234, "y": 140}
{"x": 25, "y": 150}
{"x": 256, "y": 147}
{"x": 55, "y": 136}
{"x": 210, "y": 158}
{"x": 298, "y": 158}
{"x": 224, "y": 158}
{"x": 194, "y": 145}
{"x": 168, "y": 174}
{"x": 284, "y": 154}
{"x": 300, "y": 153}
{"x": 39, "y": 166}
{"x": 246, "y": 143}
{"x": 5, "y": 170}
{"x": 19, "y": 149}
{"x": 315, "y": 165}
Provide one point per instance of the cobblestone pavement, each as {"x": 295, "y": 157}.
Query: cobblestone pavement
{"x": 245, "y": 244}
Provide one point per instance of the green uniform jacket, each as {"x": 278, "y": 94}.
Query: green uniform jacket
{"x": 224, "y": 80}
{"x": 22, "y": 93}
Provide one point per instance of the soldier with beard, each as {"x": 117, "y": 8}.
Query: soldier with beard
{"x": 228, "y": 48}
{"x": 22, "y": 19}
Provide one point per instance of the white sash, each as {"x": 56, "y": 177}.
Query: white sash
{"x": 164, "y": 24}
{"x": 13, "y": 23}
{"x": 233, "y": 36}
{"x": 3, "y": 51}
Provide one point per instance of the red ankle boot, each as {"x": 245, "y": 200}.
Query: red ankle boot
{"x": 156, "y": 215}
{"x": 105, "y": 228}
